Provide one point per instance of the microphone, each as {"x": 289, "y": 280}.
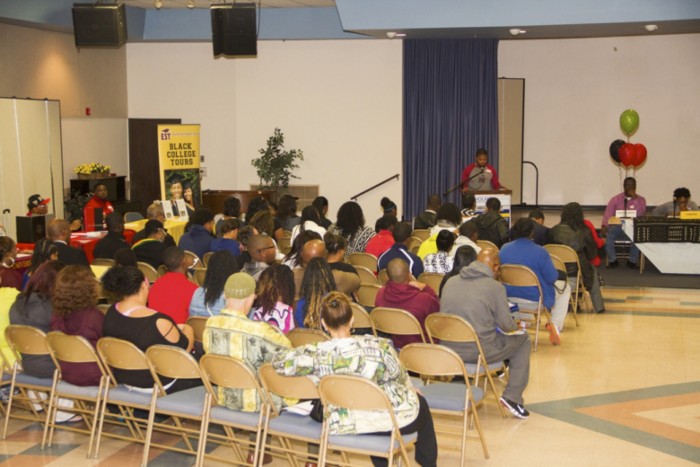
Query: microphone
{"x": 625, "y": 206}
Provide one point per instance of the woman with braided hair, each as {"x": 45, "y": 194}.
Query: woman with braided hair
{"x": 274, "y": 298}
{"x": 317, "y": 282}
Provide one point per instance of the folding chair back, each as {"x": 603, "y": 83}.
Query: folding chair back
{"x": 172, "y": 362}
{"x": 361, "y": 318}
{"x": 121, "y": 354}
{"x": 162, "y": 270}
{"x": 205, "y": 259}
{"x": 198, "y": 323}
{"x": 303, "y": 336}
{"x": 396, "y": 321}
{"x": 421, "y": 234}
{"x": 26, "y": 340}
{"x": 71, "y": 349}
{"x": 569, "y": 255}
{"x": 383, "y": 277}
{"x": 291, "y": 387}
{"x": 199, "y": 275}
{"x": 357, "y": 393}
{"x": 450, "y": 398}
{"x": 285, "y": 244}
{"x": 560, "y": 266}
{"x": 196, "y": 260}
{"x": 452, "y": 328}
{"x": 227, "y": 372}
{"x": 363, "y": 259}
{"x": 367, "y": 294}
{"x": 521, "y": 276}
{"x": 414, "y": 242}
{"x": 103, "y": 262}
{"x": 148, "y": 271}
{"x": 486, "y": 244}
{"x": 432, "y": 279}
{"x": 366, "y": 276}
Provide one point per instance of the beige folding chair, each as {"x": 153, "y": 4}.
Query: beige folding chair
{"x": 103, "y": 262}
{"x": 395, "y": 321}
{"x": 87, "y": 400}
{"x": 452, "y": 328}
{"x": 162, "y": 270}
{"x": 26, "y": 341}
{"x": 361, "y": 318}
{"x": 358, "y": 393}
{"x": 517, "y": 275}
{"x": 560, "y": 266}
{"x": 198, "y": 276}
{"x": 148, "y": 271}
{"x": 367, "y": 294}
{"x": 287, "y": 426}
{"x": 446, "y": 398}
{"x": 383, "y": 277}
{"x": 121, "y": 355}
{"x": 421, "y": 234}
{"x": 168, "y": 361}
{"x": 363, "y": 259}
{"x": 414, "y": 243}
{"x": 219, "y": 372}
{"x": 568, "y": 255}
{"x": 486, "y": 244}
{"x": 196, "y": 260}
{"x": 205, "y": 259}
{"x": 303, "y": 336}
{"x": 198, "y": 323}
{"x": 284, "y": 245}
{"x": 366, "y": 276}
{"x": 432, "y": 279}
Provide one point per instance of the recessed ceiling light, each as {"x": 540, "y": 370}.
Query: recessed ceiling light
{"x": 516, "y": 31}
{"x": 158, "y": 4}
{"x": 651, "y": 27}
{"x": 190, "y": 4}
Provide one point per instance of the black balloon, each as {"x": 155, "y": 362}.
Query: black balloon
{"x": 615, "y": 150}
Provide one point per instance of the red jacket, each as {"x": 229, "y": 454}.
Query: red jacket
{"x": 495, "y": 184}
{"x": 89, "y": 212}
{"x": 380, "y": 243}
{"x": 171, "y": 295}
{"x": 420, "y": 303}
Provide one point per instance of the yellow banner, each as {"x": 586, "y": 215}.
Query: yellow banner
{"x": 178, "y": 152}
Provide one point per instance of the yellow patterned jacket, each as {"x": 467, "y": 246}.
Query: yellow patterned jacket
{"x": 231, "y": 333}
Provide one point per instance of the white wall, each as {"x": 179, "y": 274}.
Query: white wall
{"x": 575, "y": 91}
{"x": 102, "y": 140}
{"x": 338, "y": 101}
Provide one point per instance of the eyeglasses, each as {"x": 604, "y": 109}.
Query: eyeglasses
{"x": 266, "y": 248}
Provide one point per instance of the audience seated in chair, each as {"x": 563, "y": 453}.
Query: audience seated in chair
{"x": 58, "y": 231}
{"x": 262, "y": 252}
{"x": 172, "y": 293}
{"x": 208, "y": 300}
{"x": 227, "y": 236}
{"x": 274, "y": 298}
{"x": 492, "y": 227}
{"x": 402, "y": 291}
{"x": 449, "y": 218}
{"x": 198, "y": 232}
{"x": 384, "y": 239}
{"x": 468, "y": 234}
{"x": 427, "y": 219}
{"x": 440, "y": 262}
{"x": 114, "y": 240}
{"x": 154, "y": 212}
{"x": 318, "y": 281}
{"x": 150, "y": 249}
{"x": 402, "y": 234}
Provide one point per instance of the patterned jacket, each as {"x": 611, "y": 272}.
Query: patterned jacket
{"x": 255, "y": 342}
{"x": 371, "y": 357}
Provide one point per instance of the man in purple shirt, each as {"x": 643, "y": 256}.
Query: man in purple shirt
{"x": 632, "y": 203}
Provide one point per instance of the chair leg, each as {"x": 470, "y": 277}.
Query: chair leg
{"x": 149, "y": 429}
{"x": 475, "y": 418}
{"x": 203, "y": 431}
{"x": 9, "y": 403}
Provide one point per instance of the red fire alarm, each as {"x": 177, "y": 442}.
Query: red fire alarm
{"x": 88, "y": 111}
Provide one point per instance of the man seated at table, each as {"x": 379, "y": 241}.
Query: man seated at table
{"x": 681, "y": 202}
{"x": 172, "y": 293}
{"x": 98, "y": 201}
{"x": 58, "y": 231}
{"x": 155, "y": 211}
{"x": 114, "y": 240}
{"x": 151, "y": 248}
{"x": 628, "y": 202}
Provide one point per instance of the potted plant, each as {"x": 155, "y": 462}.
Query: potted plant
{"x": 275, "y": 164}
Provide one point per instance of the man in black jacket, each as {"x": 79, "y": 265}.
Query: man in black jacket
{"x": 59, "y": 233}
{"x": 114, "y": 240}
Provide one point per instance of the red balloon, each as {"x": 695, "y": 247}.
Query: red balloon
{"x": 640, "y": 155}
{"x": 628, "y": 152}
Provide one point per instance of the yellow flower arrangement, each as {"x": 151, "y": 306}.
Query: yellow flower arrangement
{"x": 91, "y": 168}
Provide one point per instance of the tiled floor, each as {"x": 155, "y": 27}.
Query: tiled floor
{"x": 622, "y": 389}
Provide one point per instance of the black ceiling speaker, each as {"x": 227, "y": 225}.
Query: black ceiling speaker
{"x": 97, "y": 25}
{"x": 234, "y": 29}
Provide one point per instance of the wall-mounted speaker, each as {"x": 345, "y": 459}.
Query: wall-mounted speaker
{"x": 233, "y": 29}
{"x": 99, "y": 25}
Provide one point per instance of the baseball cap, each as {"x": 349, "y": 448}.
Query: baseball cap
{"x": 37, "y": 200}
{"x": 239, "y": 285}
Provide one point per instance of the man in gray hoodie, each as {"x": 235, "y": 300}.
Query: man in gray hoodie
{"x": 476, "y": 296}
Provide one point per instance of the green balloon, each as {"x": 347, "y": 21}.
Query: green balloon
{"x": 629, "y": 121}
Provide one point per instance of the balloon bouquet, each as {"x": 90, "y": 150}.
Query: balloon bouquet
{"x": 627, "y": 154}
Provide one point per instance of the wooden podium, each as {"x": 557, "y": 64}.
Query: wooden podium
{"x": 214, "y": 199}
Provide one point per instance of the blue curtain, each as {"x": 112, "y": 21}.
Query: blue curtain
{"x": 450, "y": 110}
